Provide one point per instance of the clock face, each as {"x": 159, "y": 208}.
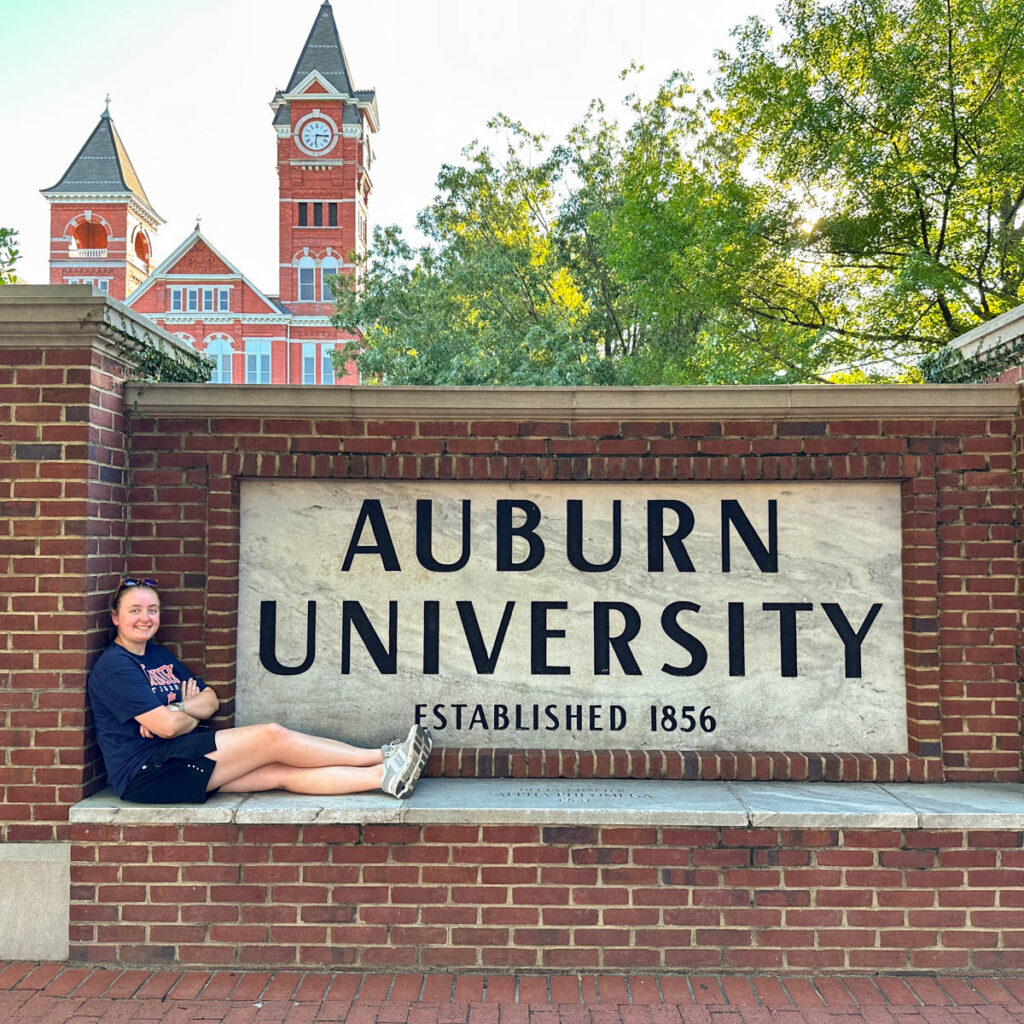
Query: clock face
{"x": 316, "y": 135}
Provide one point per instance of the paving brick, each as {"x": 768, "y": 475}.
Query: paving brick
{"x": 13, "y": 973}
{"x": 612, "y": 990}
{"x": 468, "y": 988}
{"x": 282, "y": 985}
{"x": 644, "y": 990}
{"x": 707, "y": 990}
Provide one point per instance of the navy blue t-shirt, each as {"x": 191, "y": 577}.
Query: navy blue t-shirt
{"x": 121, "y": 686}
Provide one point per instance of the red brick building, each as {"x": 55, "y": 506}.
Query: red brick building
{"x": 102, "y": 226}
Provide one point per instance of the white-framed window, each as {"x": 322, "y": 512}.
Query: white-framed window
{"x": 103, "y": 283}
{"x": 307, "y": 280}
{"x": 360, "y": 225}
{"x": 186, "y": 338}
{"x": 257, "y": 361}
{"x": 309, "y": 362}
{"x": 219, "y": 350}
{"x": 326, "y": 366}
{"x": 196, "y": 300}
{"x": 328, "y": 268}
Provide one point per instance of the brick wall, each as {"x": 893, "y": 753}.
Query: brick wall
{"x": 960, "y": 556}
{"x": 97, "y": 483}
{"x": 438, "y": 897}
{"x": 65, "y": 439}
{"x": 64, "y": 354}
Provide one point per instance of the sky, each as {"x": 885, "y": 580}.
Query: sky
{"x": 190, "y": 83}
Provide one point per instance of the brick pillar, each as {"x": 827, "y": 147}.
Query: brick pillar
{"x": 1018, "y": 490}
{"x": 64, "y": 353}
{"x": 979, "y": 587}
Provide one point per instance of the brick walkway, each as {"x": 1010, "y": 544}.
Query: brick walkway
{"x": 53, "y": 993}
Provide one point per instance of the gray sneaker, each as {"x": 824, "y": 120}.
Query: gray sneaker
{"x": 404, "y": 761}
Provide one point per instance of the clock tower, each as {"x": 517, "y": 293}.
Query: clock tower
{"x": 324, "y": 156}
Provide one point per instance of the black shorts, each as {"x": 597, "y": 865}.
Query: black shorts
{"x": 178, "y": 775}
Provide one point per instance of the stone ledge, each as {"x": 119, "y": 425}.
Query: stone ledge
{"x": 603, "y": 802}
{"x": 76, "y": 316}
{"x": 729, "y": 402}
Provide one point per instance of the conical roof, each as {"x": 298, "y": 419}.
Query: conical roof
{"x": 323, "y": 52}
{"x": 102, "y": 165}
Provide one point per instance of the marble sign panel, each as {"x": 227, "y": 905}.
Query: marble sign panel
{"x": 753, "y": 616}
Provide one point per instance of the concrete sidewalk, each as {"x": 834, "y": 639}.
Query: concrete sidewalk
{"x": 54, "y": 993}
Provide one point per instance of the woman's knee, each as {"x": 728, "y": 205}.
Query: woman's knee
{"x": 272, "y": 734}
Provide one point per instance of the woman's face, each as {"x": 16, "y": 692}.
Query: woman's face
{"x": 137, "y": 616}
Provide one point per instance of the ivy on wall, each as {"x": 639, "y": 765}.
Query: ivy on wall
{"x": 155, "y": 366}
{"x": 153, "y": 358}
{"x": 948, "y": 366}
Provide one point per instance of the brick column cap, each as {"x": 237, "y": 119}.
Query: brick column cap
{"x": 41, "y": 316}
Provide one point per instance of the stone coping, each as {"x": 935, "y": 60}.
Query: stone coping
{"x": 75, "y": 315}
{"x": 1000, "y": 330}
{"x": 790, "y": 402}
{"x": 603, "y": 802}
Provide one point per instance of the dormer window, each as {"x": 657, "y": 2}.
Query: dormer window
{"x": 205, "y": 300}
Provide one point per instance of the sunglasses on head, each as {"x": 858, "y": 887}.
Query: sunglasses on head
{"x": 131, "y": 581}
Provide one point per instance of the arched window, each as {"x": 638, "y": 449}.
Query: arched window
{"x": 307, "y": 280}
{"x": 219, "y": 350}
{"x": 142, "y": 246}
{"x": 328, "y": 268}
{"x": 186, "y": 339}
{"x": 90, "y": 235}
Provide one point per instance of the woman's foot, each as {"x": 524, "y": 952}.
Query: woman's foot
{"x": 404, "y": 761}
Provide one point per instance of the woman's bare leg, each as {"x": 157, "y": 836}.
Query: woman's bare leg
{"x": 324, "y": 781}
{"x": 244, "y": 749}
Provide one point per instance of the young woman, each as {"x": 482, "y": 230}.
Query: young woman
{"x": 147, "y": 706}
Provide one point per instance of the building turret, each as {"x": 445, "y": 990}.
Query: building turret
{"x": 101, "y": 220}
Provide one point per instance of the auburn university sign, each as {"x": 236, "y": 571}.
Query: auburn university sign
{"x": 740, "y": 616}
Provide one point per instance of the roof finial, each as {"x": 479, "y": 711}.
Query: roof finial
{"x": 106, "y": 109}
{"x": 198, "y": 219}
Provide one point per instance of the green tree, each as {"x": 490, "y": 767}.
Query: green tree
{"x": 8, "y": 255}
{"x": 902, "y": 123}
{"x": 684, "y": 238}
{"x": 847, "y": 198}
{"x": 488, "y": 301}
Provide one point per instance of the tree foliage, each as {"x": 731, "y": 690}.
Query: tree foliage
{"x": 8, "y": 255}
{"x": 847, "y": 198}
{"x": 903, "y": 121}
{"x": 489, "y": 301}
